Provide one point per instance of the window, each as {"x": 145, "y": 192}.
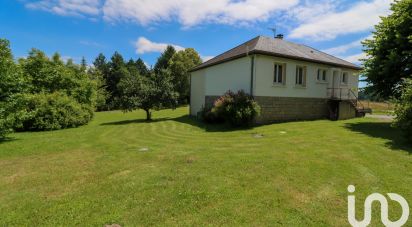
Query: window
{"x": 279, "y": 73}
{"x": 322, "y": 75}
{"x": 301, "y": 75}
{"x": 344, "y": 78}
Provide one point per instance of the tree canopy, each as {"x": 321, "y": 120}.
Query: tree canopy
{"x": 149, "y": 93}
{"x": 163, "y": 60}
{"x": 179, "y": 66}
{"x": 389, "y": 52}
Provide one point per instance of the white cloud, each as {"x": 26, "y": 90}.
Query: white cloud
{"x": 355, "y": 58}
{"x": 344, "y": 48}
{"x": 360, "y": 17}
{"x": 144, "y": 45}
{"x": 187, "y": 12}
{"x": 68, "y": 7}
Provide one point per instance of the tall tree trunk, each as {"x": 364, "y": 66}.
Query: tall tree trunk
{"x": 148, "y": 115}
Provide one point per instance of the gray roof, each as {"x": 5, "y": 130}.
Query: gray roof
{"x": 279, "y": 48}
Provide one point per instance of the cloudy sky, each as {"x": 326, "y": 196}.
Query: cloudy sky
{"x": 143, "y": 28}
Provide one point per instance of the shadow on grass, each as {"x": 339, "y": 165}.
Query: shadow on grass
{"x": 382, "y": 130}
{"x": 185, "y": 120}
{"x": 7, "y": 139}
{"x": 135, "y": 121}
{"x": 209, "y": 127}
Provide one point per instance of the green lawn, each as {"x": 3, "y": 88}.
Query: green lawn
{"x": 282, "y": 174}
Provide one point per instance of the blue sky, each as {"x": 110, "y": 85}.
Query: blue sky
{"x": 142, "y": 28}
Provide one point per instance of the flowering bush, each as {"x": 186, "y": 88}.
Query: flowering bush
{"x": 238, "y": 109}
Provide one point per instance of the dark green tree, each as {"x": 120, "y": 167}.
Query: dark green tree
{"x": 142, "y": 68}
{"x": 100, "y": 63}
{"x": 149, "y": 93}
{"x": 390, "y": 52}
{"x": 179, "y": 66}
{"x": 83, "y": 65}
{"x": 117, "y": 70}
{"x": 163, "y": 61}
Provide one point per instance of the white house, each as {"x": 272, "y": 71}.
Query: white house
{"x": 289, "y": 81}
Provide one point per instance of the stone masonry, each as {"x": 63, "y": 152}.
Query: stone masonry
{"x": 275, "y": 109}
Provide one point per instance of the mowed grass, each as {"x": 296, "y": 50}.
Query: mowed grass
{"x": 292, "y": 174}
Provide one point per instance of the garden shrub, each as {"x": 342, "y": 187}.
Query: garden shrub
{"x": 53, "y": 111}
{"x": 238, "y": 109}
{"x": 209, "y": 116}
{"x": 403, "y": 110}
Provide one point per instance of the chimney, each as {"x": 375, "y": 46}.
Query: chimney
{"x": 279, "y": 36}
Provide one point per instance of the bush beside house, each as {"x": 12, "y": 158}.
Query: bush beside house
{"x": 238, "y": 109}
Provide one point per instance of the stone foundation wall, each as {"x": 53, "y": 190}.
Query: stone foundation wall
{"x": 346, "y": 110}
{"x": 286, "y": 108}
{"x": 289, "y": 108}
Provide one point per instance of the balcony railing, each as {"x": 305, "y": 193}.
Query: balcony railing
{"x": 341, "y": 94}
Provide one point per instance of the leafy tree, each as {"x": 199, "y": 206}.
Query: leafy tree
{"x": 179, "y": 65}
{"x": 56, "y": 59}
{"x": 163, "y": 60}
{"x": 83, "y": 65}
{"x": 149, "y": 93}
{"x": 141, "y": 67}
{"x": 390, "y": 51}
{"x": 101, "y": 93}
{"x": 117, "y": 71}
{"x": 100, "y": 63}
{"x": 403, "y": 110}
{"x": 11, "y": 83}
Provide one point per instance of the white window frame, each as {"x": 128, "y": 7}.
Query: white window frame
{"x": 322, "y": 75}
{"x": 276, "y": 73}
{"x": 344, "y": 78}
{"x": 300, "y": 82}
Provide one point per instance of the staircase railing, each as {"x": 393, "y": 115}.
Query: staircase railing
{"x": 356, "y": 101}
{"x": 345, "y": 94}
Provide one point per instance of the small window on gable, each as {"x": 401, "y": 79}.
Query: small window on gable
{"x": 322, "y": 75}
{"x": 344, "y": 78}
{"x": 301, "y": 76}
{"x": 279, "y": 73}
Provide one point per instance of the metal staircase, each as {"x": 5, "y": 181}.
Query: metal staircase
{"x": 337, "y": 95}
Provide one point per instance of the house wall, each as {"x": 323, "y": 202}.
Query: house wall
{"x": 233, "y": 75}
{"x": 289, "y": 101}
{"x": 214, "y": 81}
{"x": 197, "y": 91}
{"x": 278, "y": 102}
{"x": 264, "y": 77}
{"x": 346, "y": 111}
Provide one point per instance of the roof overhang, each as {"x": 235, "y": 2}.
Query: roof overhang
{"x": 275, "y": 55}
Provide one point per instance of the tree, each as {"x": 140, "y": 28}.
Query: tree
{"x": 56, "y": 59}
{"x": 179, "y": 65}
{"x": 83, "y": 65}
{"x": 117, "y": 71}
{"x": 11, "y": 83}
{"x": 149, "y": 93}
{"x": 163, "y": 60}
{"x": 390, "y": 52}
{"x": 403, "y": 110}
{"x": 141, "y": 67}
{"x": 100, "y": 63}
